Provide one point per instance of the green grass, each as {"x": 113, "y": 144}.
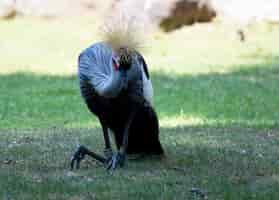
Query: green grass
{"x": 217, "y": 101}
{"x": 242, "y": 98}
{"x": 226, "y": 163}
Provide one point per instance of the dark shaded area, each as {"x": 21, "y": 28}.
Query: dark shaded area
{"x": 224, "y": 162}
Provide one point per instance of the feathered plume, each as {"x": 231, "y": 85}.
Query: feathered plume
{"x": 123, "y": 31}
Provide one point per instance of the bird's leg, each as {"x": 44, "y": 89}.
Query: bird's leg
{"x": 82, "y": 151}
{"x": 108, "y": 150}
{"x": 79, "y": 155}
{"x": 118, "y": 159}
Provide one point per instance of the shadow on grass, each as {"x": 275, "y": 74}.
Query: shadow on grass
{"x": 226, "y": 163}
{"x": 246, "y": 97}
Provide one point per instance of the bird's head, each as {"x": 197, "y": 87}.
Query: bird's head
{"x": 123, "y": 34}
{"x": 124, "y": 55}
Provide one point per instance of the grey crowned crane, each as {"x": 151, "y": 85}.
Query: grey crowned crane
{"x": 116, "y": 87}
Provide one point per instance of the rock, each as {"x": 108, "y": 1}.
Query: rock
{"x": 187, "y": 12}
{"x": 7, "y": 8}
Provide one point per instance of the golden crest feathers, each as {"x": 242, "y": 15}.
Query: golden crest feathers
{"x": 123, "y": 31}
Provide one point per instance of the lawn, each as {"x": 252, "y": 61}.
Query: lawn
{"x": 216, "y": 97}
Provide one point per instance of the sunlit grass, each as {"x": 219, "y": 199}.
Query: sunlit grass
{"x": 52, "y": 47}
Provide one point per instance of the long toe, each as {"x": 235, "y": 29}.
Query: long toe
{"x": 77, "y": 157}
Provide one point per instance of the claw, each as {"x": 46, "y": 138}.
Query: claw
{"x": 80, "y": 154}
{"x": 117, "y": 160}
{"x": 78, "y": 157}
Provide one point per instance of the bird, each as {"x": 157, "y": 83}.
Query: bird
{"x": 115, "y": 85}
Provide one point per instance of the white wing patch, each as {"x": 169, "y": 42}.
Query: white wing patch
{"x": 147, "y": 87}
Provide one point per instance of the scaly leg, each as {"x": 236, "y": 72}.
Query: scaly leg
{"x": 118, "y": 159}
{"x": 82, "y": 151}
{"x": 108, "y": 150}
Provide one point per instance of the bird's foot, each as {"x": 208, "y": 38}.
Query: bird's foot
{"x": 111, "y": 161}
{"x": 117, "y": 160}
{"x": 78, "y": 157}
{"x": 80, "y": 154}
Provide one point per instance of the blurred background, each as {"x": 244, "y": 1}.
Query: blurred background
{"x": 176, "y": 11}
